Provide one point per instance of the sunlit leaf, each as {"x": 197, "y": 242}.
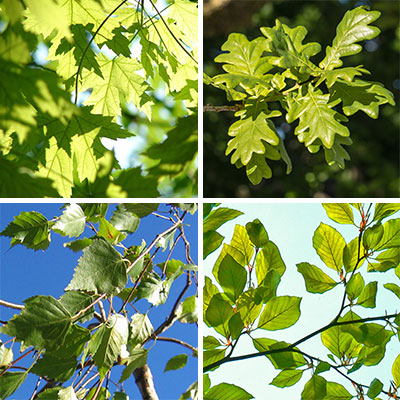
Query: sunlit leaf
{"x": 280, "y": 313}
{"x": 315, "y": 279}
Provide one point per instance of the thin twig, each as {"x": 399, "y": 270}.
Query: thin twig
{"x": 174, "y": 340}
{"x": 11, "y": 305}
{"x": 210, "y": 107}
{"x": 77, "y": 315}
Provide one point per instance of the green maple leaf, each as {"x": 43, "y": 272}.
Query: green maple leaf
{"x": 75, "y": 148}
{"x": 353, "y": 28}
{"x": 119, "y": 79}
{"x": 361, "y": 95}
{"x": 184, "y": 13}
{"x": 317, "y": 118}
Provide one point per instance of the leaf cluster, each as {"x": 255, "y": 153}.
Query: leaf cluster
{"x": 273, "y": 74}
{"x": 103, "y": 57}
{"x": 73, "y": 335}
{"x": 248, "y": 272}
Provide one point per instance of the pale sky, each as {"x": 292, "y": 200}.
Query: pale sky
{"x": 291, "y": 228}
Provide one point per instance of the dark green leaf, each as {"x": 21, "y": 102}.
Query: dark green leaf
{"x": 367, "y": 297}
{"x": 211, "y": 241}
{"x": 176, "y": 362}
{"x": 101, "y": 269}
{"x": 235, "y": 326}
{"x": 60, "y": 369}
{"x": 79, "y": 244}
{"x": 43, "y": 323}
{"x": 322, "y": 367}
{"x": 219, "y": 311}
{"x": 10, "y": 382}
{"x": 30, "y": 229}
{"x": 257, "y": 233}
{"x": 375, "y": 388}
{"x": 75, "y": 301}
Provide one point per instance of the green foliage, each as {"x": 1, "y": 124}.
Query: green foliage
{"x": 68, "y": 337}
{"x": 239, "y": 305}
{"x": 130, "y": 71}
{"x": 274, "y": 75}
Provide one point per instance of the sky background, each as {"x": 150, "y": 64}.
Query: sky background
{"x": 291, "y": 228}
{"x": 24, "y": 273}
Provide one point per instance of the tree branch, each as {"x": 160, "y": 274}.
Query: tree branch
{"x": 11, "y": 305}
{"x": 210, "y": 107}
{"x": 145, "y": 383}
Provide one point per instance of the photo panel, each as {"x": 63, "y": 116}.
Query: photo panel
{"x": 300, "y": 300}
{"x": 98, "y": 301}
{"x": 301, "y": 99}
{"x": 99, "y": 99}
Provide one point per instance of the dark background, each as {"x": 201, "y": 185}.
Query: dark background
{"x": 373, "y": 170}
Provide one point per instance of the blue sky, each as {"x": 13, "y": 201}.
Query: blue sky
{"x": 291, "y": 228}
{"x": 24, "y": 273}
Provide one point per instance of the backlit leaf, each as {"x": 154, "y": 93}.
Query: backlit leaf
{"x": 72, "y": 221}
{"x": 336, "y": 391}
{"x": 314, "y": 389}
{"x": 241, "y": 241}
{"x": 280, "y": 313}
{"x": 257, "y": 233}
{"x": 393, "y": 288}
{"x": 218, "y": 217}
{"x": 287, "y": 377}
{"x": 176, "y": 362}
{"x": 226, "y": 391}
{"x": 315, "y": 279}
{"x": 339, "y": 212}
{"x": 10, "y": 382}
{"x": 211, "y": 241}
{"x": 367, "y": 297}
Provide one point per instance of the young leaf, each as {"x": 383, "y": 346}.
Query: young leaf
{"x": 10, "y": 382}
{"x": 393, "y": 288}
{"x": 391, "y": 235}
{"x": 241, "y": 241}
{"x": 375, "y": 388}
{"x": 314, "y": 389}
{"x": 339, "y": 212}
{"x": 106, "y": 343}
{"x": 396, "y": 371}
{"x": 124, "y": 220}
{"x": 280, "y": 313}
{"x": 336, "y": 391}
{"x": 176, "y": 362}
{"x": 43, "y": 323}
{"x": 226, "y": 391}
{"x": 72, "y": 221}
{"x": 367, "y": 297}
{"x": 355, "y": 286}
{"x": 30, "y": 229}
{"x": 353, "y": 28}
{"x": 141, "y": 328}
{"x": 315, "y": 279}
{"x": 287, "y": 377}
{"x": 269, "y": 259}
{"x": 329, "y": 244}
{"x": 101, "y": 269}
{"x": 232, "y": 277}
{"x": 383, "y": 210}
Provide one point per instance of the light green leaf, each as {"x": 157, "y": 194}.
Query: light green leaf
{"x": 280, "y": 313}
{"x": 314, "y": 389}
{"x": 241, "y": 241}
{"x": 361, "y": 95}
{"x": 187, "y": 311}
{"x": 335, "y": 391}
{"x": 176, "y": 362}
{"x": 137, "y": 359}
{"x": 106, "y": 343}
{"x": 319, "y": 122}
{"x": 367, "y": 297}
{"x": 383, "y": 210}
{"x": 191, "y": 392}
{"x": 249, "y": 134}
{"x": 393, "y": 288}
{"x": 211, "y": 241}
{"x": 315, "y": 279}
{"x": 396, "y": 371}
{"x": 287, "y": 377}
{"x": 352, "y": 254}
{"x": 340, "y": 343}
{"x": 268, "y": 259}
{"x": 248, "y": 307}
{"x": 72, "y": 221}
{"x": 287, "y": 50}
{"x": 345, "y": 74}
{"x": 30, "y": 229}
{"x": 353, "y": 28}
{"x": 375, "y": 388}
{"x": 213, "y": 355}
{"x": 210, "y": 342}
{"x": 101, "y": 269}
{"x": 6, "y": 355}
{"x": 141, "y": 328}
{"x": 43, "y": 323}
{"x": 109, "y": 232}
{"x": 124, "y": 220}
{"x": 226, "y": 391}
{"x": 339, "y": 212}
{"x": 219, "y": 311}
{"x": 219, "y": 216}
{"x": 322, "y": 367}
{"x": 154, "y": 289}
{"x": 329, "y": 245}
{"x": 391, "y": 235}
{"x": 355, "y": 286}
{"x": 369, "y": 334}
{"x": 232, "y": 277}
{"x": 10, "y": 382}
